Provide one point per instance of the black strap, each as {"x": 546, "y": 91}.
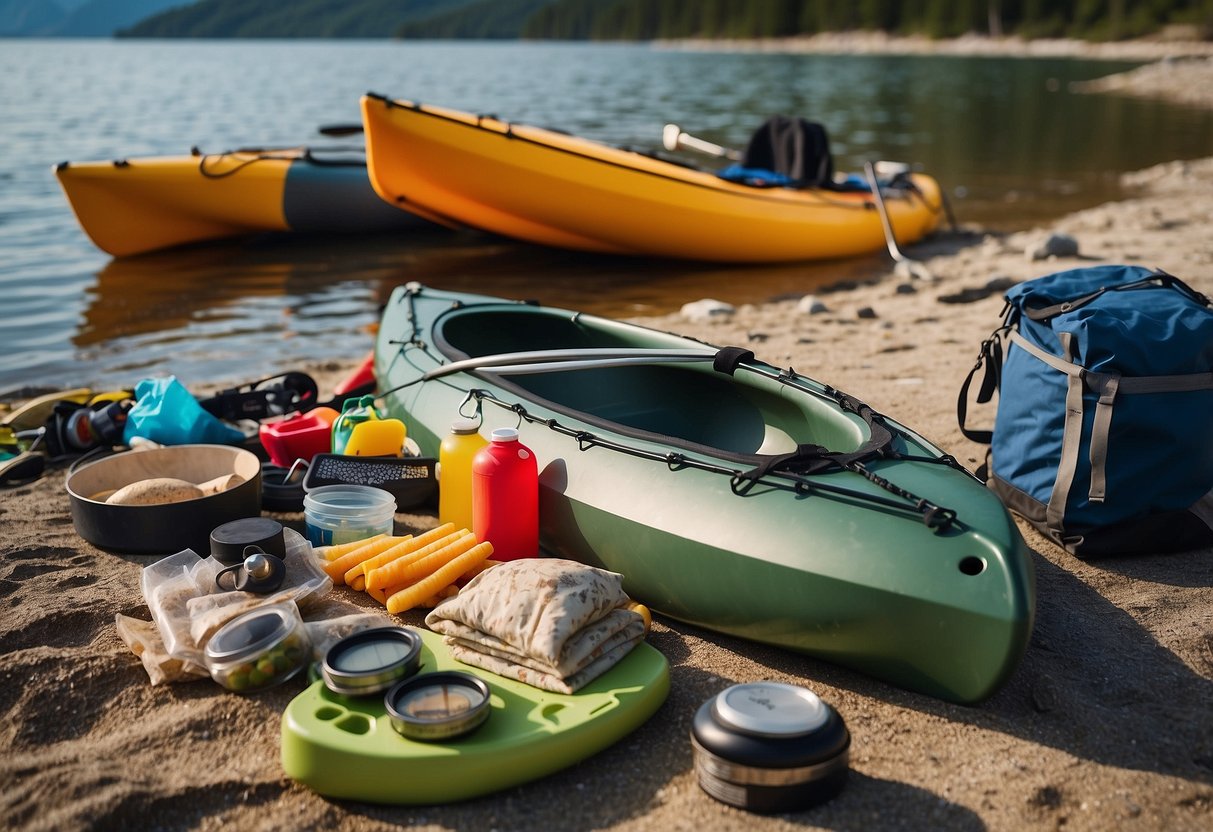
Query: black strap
{"x": 816, "y": 459}
{"x": 728, "y": 358}
{"x": 989, "y": 358}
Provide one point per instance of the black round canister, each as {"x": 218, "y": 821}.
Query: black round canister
{"x": 770, "y": 747}
{"x": 229, "y": 540}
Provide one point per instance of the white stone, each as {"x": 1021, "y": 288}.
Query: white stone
{"x": 810, "y": 305}
{"x": 707, "y": 309}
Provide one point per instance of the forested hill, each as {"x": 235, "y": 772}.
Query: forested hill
{"x": 75, "y": 18}
{"x": 493, "y": 19}
{"x": 295, "y": 19}
{"x": 654, "y": 19}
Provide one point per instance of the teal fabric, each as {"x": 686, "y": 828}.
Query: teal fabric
{"x": 167, "y": 413}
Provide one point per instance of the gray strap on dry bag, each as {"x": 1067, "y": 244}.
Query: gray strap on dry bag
{"x": 1099, "y": 438}
{"x": 1071, "y": 437}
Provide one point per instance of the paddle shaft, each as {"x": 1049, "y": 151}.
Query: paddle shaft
{"x": 887, "y": 224}
{"x": 589, "y": 364}
{"x": 549, "y": 361}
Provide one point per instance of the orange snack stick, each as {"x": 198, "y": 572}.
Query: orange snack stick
{"x": 398, "y": 560}
{"x": 476, "y": 570}
{"x": 415, "y": 570}
{"x": 410, "y": 597}
{"x": 355, "y": 576}
{"x": 336, "y": 569}
{"x": 338, "y": 549}
{"x": 408, "y": 569}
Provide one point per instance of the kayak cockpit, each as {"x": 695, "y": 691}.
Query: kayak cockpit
{"x": 688, "y": 404}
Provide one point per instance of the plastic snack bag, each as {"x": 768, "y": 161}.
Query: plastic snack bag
{"x": 143, "y": 638}
{"x": 187, "y": 606}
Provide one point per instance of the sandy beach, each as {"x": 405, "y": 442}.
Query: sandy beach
{"x": 1107, "y": 723}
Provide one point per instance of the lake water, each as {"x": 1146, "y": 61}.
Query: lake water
{"x": 1006, "y": 137}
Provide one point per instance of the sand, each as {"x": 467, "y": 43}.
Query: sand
{"x": 1107, "y": 723}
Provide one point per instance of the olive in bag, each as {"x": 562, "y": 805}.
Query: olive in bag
{"x": 1103, "y": 433}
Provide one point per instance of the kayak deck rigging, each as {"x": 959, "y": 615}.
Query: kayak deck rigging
{"x": 738, "y": 430}
{"x": 741, "y": 482}
{"x": 210, "y": 164}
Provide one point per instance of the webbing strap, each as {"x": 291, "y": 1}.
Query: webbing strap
{"x": 1099, "y": 439}
{"x": 1128, "y": 385}
{"x": 729, "y": 358}
{"x": 989, "y": 358}
{"x": 1161, "y": 384}
{"x": 1070, "y": 440}
{"x": 1064, "y": 365}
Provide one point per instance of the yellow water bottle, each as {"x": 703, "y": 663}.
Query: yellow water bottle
{"x": 455, "y": 456}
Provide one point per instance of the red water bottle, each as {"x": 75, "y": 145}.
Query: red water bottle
{"x": 505, "y": 497}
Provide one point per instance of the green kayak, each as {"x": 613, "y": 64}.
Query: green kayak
{"x": 730, "y": 494}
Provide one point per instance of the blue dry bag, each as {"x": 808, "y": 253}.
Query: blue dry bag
{"x": 1103, "y": 435}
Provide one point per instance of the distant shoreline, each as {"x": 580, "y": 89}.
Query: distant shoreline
{"x": 1177, "y": 71}
{"x": 863, "y": 43}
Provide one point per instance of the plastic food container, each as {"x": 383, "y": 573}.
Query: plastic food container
{"x": 343, "y": 513}
{"x": 770, "y": 747}
{"x": 259, "y": 649}
{"x": 434, "y": 707}
{"x": 299, "y": 436}
{"x": 371, "y": 661}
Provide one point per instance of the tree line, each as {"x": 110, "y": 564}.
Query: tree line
{"x": 656, "y": 19}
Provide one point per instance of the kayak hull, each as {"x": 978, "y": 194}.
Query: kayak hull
{"x": 133, "y": 206}
{"x": 853, "y": 577}
{"x": 558, "y": 190}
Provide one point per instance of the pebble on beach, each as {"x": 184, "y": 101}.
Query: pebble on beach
{"x": 1055, "y": 245}
{"x": 707, "y": 309}
{"x": 811, "y": 305}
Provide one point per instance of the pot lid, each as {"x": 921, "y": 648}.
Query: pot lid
{"x": 771, "y": 709}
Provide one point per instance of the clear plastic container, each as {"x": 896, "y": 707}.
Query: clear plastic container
{"x": 259, "y": 649}
{"x": 343, "y": 513}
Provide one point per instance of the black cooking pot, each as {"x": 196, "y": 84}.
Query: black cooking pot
{"x": 165, "y": 528}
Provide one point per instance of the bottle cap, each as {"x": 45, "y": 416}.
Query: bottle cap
{"x": 505, "y": 435}
{"x": 464, "y": 426}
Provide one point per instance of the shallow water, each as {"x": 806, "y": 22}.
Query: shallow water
{"x": 1006, "y": 137}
